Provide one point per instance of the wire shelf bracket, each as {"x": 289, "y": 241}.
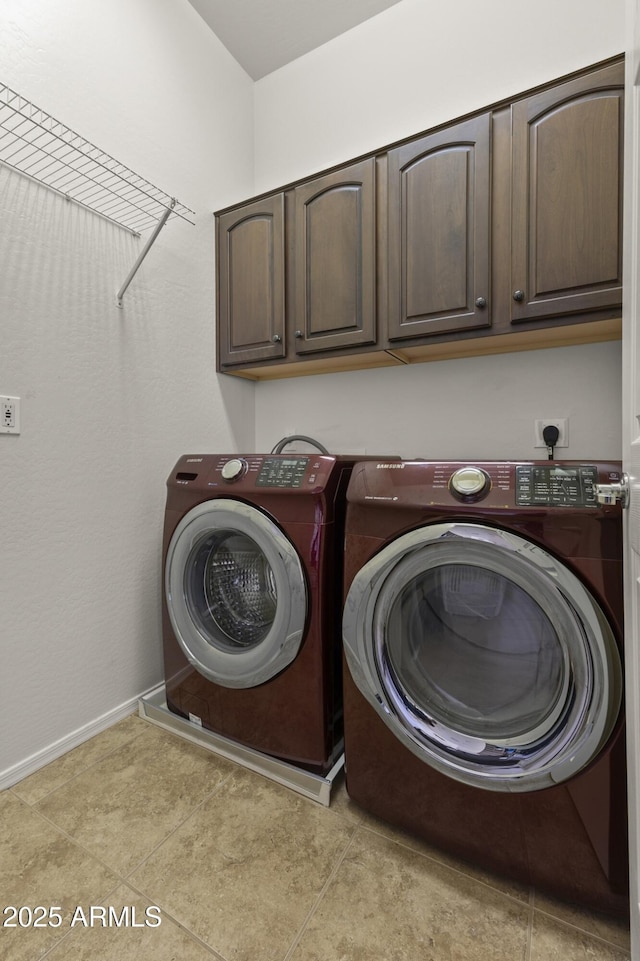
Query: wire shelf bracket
{"x": 143, "y": 253}
{"x": 40, "y": 147}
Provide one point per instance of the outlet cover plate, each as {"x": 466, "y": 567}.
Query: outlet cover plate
{"x": 9, "y": 415}
{"x": 562, "y": 423}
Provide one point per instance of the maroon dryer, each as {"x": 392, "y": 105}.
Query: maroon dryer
{"x": 252, "y": 600}
{"x": 483, "y": 693}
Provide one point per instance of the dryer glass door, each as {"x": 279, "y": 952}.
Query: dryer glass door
{"x": 235, "y": 592}
{"x": 485, "y": 656}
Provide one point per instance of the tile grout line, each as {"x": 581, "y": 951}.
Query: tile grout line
{"x": 73, "y": 777}
{"x": 166, "y": 913}
{"x": 123, "y": 877}
{"x": 120, "y": 877}
{"x": 178, "y": 923}
{"x": 529, "y": 943}
{"x": 456, "y": 870}
{"x": 205, "y": 800}
{"x": 236, "y": 767}
{"x": 325, "y": 887}
{"x": 33, "y": 806}
{"x": 88, "y": 767}
{"x": 576, "y": 927}
{"x": 531, "y": 895}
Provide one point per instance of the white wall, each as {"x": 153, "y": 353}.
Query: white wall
{"x": 414, "y": 66}
{"x": 110, "y": 398}
{"x": 467, "y": 409}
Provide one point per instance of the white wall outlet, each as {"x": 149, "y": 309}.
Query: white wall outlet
{"x": 9, "y": 415}
{"x": 562, "y": 423}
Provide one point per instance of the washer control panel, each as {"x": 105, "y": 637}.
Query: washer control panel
{"x": 556, "y": 486}
{"x": 282, "y": 472}
{"x": 246, "y": 472}
{"x": 241, "y": 475}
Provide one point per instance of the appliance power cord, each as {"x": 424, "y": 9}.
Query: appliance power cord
{"x": 301, "y": 437}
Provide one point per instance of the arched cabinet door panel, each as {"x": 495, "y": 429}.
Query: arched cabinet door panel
{"x": 567, "y": 193}
{"x": 251, "y": 282}
{"x": 439, "y": 232}
{"x": 334, "y": 260}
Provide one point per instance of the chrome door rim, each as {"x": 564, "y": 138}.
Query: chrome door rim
{"x": 581, "y": 724}
{"x": 241, "y": 668}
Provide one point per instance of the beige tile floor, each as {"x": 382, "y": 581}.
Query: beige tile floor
{"x": 241, "y": 869}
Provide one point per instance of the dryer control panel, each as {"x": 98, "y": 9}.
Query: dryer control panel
{"x": 556, "y": 486}
{"x": 484, "y": 485}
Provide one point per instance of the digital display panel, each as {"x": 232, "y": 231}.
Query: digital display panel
{"x": 282, "y": 472}
{"x": 555, "y": 486}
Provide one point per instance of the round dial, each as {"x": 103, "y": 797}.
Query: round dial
{"x": 469, "y": 482}
{"x": 234, "y": 469}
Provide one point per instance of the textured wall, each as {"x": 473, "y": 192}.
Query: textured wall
{"x": 473, "y": 408}
{"x": 110, "y": 398}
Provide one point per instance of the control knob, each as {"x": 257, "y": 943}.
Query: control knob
{"x": 234, "y": 469}
{"x": 469, "y": 482}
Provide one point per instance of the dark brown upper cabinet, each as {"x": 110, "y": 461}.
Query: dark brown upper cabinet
{"x": 251, "y": 282}
{"x": 334, "y": 260}
{"x": 439, "y": 232}
{"x": 500, "y": 231}
{"x": 566, "y": 237}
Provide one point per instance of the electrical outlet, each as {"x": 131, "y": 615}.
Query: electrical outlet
{"x": 9, "y": 415}
{"x": 562, "y": 423}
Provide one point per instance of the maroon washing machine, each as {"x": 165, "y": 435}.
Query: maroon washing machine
{"x": 252, "y": 600}
{"x": 483, "y": 692}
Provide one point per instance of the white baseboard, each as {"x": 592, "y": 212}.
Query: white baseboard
{"x": 23, "y": 769}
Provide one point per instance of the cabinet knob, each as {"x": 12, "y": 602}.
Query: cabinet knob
{"x": 276, "y": 338}
{"x": 518, "y": 295}
{"x": 298, "y": 334}
{"x": 481, "y": 302}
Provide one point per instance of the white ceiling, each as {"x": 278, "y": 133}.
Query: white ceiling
{"x": 263, "y": 35}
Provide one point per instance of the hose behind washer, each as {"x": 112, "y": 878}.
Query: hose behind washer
{"x": 308, "y": 440}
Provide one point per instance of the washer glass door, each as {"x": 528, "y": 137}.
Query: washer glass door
{"x": 484, "y": 655}
{"x": 235, "y": 592}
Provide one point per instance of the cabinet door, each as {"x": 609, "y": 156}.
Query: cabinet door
{"x": 567, "y": 198}
{"x": 251, "y": 282}
{"x": 334, "y": 260}
{"x": 439, "y": 232}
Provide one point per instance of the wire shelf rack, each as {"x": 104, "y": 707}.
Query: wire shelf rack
{"x": 38, "y": 145}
